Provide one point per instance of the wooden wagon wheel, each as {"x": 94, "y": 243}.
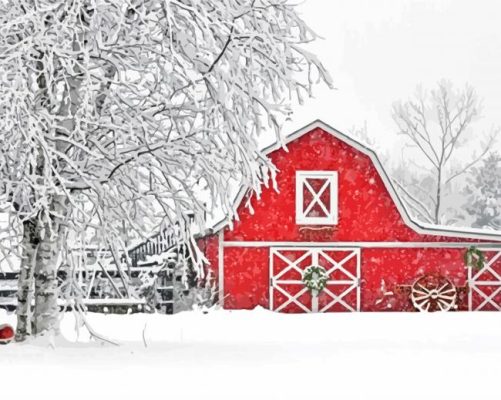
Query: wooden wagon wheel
{"x": 433, "y": 293}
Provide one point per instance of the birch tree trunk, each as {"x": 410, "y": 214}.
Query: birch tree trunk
{"x": 46, "y": 312}
{"x": 25, "y": 281}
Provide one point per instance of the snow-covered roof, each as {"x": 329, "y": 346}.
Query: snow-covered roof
{"x": 419, "y": 227}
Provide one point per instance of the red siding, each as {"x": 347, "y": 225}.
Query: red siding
{"x": 246, "y": 278}
{"x": 366, "y": 209}
{"x": 384, "y": 270}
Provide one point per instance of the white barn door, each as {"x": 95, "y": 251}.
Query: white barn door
{"x": 485, "y": 284}
{"x": 287, "y": 289}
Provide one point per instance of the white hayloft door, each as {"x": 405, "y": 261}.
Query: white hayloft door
{"x": 316, "y": 197}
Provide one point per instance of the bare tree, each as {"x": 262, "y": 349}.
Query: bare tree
{"x": 129, "y": 109}
{"x": 361, "y": 133}
{"x": 438, "y": 125}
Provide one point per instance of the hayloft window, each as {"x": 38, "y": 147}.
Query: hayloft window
{"x": 316, "y": 197}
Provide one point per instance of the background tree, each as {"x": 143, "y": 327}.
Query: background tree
{"x": 361, "y": 134}
{"x": 132, "y": 109}
{"x": 484, "y": 193}
{"x": 439, "y": 125}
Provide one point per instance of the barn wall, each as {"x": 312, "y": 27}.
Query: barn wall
{"x": 384, "y": 276}
{"x": 385, "y": 272}
{"x": 246, "y": 278}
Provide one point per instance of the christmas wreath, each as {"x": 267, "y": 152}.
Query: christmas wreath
{"x": 315, "y": 278}
{"x": 474, "y": 257}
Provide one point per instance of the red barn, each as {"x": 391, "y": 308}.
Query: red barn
{"x": 337, "y": 222}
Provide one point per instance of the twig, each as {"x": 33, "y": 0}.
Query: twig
{"x": 144, "y": 336}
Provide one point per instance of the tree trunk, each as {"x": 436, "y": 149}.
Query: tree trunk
{"x": 46, "y": 313}
{"x": 46, "y": 291}
{"x": 25, "y": 281}
{"x": 438, "y": 203}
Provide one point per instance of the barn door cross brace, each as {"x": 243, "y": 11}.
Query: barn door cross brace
{"x": 475, "y": 284}
{"x": 315, "y": 254}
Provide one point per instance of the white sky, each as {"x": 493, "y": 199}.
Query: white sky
{"x": 378, "y": 51}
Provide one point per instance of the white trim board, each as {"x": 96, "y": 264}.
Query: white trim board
{"x": 419, "y": 227}
{"x": 368, "y": 245}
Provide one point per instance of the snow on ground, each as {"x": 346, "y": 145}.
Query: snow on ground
{"x": 261, "y": 355}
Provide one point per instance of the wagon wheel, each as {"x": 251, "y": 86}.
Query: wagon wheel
{"x": 433, "y": 293}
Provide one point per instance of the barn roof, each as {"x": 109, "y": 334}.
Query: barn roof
{"x": 419, "y": 227}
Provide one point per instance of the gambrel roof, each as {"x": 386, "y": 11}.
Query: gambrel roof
{"x": 417, "y": 226}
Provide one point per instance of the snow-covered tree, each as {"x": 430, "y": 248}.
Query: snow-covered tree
{"x": 484, "y": 193}
{"x": 126, "y": 110}
{"x": 439, "y": 124}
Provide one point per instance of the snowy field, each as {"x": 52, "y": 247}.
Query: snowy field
{"x": 261, "y": 355}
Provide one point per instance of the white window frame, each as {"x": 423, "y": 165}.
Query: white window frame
{"x": 332, "y": 212}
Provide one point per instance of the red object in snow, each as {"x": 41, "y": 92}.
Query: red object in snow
{"x": 336, "y": 208}
{"x": 6, "y": 334}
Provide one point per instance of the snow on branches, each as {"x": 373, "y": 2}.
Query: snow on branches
{"x": 128, "y": 110}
